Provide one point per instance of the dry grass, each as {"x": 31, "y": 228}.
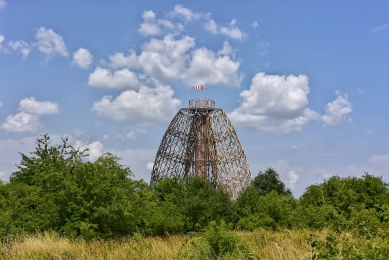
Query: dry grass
{"x": 264, "y": 244}
{"x": 284, "y": 244}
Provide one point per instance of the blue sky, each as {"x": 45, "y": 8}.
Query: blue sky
{"x": 304, "y": 83}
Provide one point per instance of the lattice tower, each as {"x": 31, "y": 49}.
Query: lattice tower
{"x": 201, "y": 141}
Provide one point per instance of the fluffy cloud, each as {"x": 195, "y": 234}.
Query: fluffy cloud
{"x": 22, "y": 122}
{"x": 254, "y": 24}
{"x": 32, "y": 106}
{"x": 278, "y": 104}
{"x": 148, "y": 106}
{"x": 23, "y": 46}
{"x": 171, "y": 59}
{"x": 149, "y": 26}
{"x": 50, "y": 42}
{"x": 211, "y": 26}
{"x": 185, "y": 12}
{"x": 288, "y": 173}
{"x": 337, "y": 111}
{"x": 82, "y": 142}
{"x": 292, "y": 179}
{"x": 208, "y": 68}
{"x": 165, "y": 59}
{"x": 27, "y": 120}
{"x": 119, "y": 60}
{"x": 82, "y": 58}
{"x": 3, "y": 49}
{"x": 226, "y": 50}
{"x": 232, "y": 31}
{"x": 275, "y": 104}
{"x": 95, "y": 149}
{"x": 104, "y": 78}
{"x": 152, "y": 26}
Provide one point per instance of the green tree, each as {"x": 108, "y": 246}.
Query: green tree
{"x": 56, "y": 189}
{"x": 196, "y": 202}
{"x": 273, "y": 210}
{"x": 268, "y": 181}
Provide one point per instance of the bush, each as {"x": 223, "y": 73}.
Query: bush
{"x": 272, "y": 210}
{"x": 193, "y": 201}
{"x": 216, "y": 242}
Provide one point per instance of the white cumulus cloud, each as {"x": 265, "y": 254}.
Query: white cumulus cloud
{"x": 23, "y": 46}
{"x": 337, "y": 111}
{"x": 82, "y": 142}
{"x": 149, "y": 25}
{"x": 82, "y": 58}
{"x": 2, "y": 48}
{"x": 278, "y": 104}
{"x": 170, "y": 59}
{"x": 50, "y": 42}
{"x": 104, "y": 78}
{"x": 95, "y": 149}
{"x": 119, "y": 60}
{"x": 185, "y": 12}
{"x": 32, "y": 106}
{"x": 227, "y": 50}
{"x": 211, "y": 26}
{"x": 293, "y": 177}
{"x": 232, "y": 31}
{"x": 275, "y": 104}
{"x": 22, "y": 122}
{"x": 148, "y": 106}
{"x": 152, "y": 26}
{"x": 288, "y": 173}
{"x": 27, "y": 120}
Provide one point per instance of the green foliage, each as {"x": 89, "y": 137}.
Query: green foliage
{"x": 348, "y": 246}
{"x": 216, "y": 242}
{"x": 272, "y": 210}
{"x": 268, "y": 181}
{"x": 345, "y": 193}
{"x": 333, "y": 203}
{"x": 55, "y": 189}
{"x": 193, "y": 202}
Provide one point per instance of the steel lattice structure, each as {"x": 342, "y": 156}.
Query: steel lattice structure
{"x": 201, "y": 141}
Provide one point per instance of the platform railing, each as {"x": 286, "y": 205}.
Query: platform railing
{"x": 201, "y": 103}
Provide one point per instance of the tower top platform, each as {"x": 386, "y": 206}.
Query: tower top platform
{"x": 197, "y": 103}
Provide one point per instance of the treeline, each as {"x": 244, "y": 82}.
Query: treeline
{"x": 55, "y": 189}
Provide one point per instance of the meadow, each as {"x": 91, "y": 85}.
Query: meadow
{"x": 263, "y": 244}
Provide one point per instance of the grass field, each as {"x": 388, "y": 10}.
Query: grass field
{"x": 263, "y": 244}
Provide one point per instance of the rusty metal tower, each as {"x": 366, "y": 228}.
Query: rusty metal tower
{"x": 201, "y": 141}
